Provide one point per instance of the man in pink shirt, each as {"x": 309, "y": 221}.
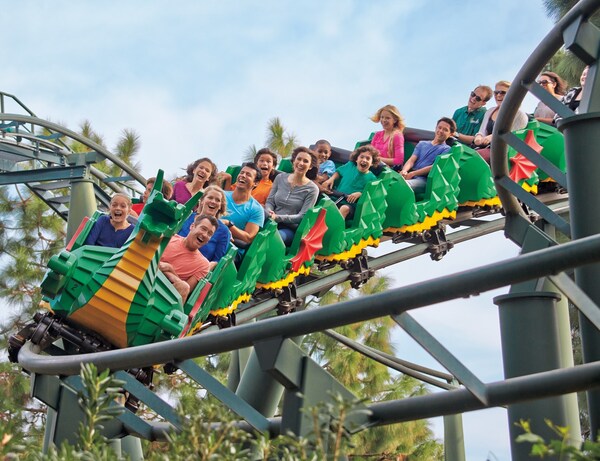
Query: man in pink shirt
{"x": 181, "y": 261}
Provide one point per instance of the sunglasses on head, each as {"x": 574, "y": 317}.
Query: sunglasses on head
{"x": 497, "y": 92}
{"x": 477, "y": 98}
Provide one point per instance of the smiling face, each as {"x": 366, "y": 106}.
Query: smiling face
{"x": 443, "y": 131}
{"x": 119, "y": 209}
{"x": 477, "y": 99}
{"x": 265, "y": 164}
{"x": 200, "y": 234}
{"x": 364, "y": 162}
{"x": 547, "y": 83}
{"x": 211, "y": 203}
{"x": 246, "y": 179}
{"x": 302, "y": 163}
{"x": 323, "y": 152}
{"x": 499, "y": 93}
{"x": 202, "y": 172}
{"x": 387, "y": 120}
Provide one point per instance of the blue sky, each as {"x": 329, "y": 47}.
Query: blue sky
{"x": 196, "y": 78}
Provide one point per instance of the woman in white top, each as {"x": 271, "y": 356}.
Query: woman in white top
{"x": 554, "y": 85}
{"x": 483, "y": 138}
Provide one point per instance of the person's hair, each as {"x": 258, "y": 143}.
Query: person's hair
{"x": 253, "y": 166}
{"x": 166, "y": 189}
{"x": 561, "y": 85}
{"x": 398, "y": 119}
{"x": 313, "y": 170}
{"x": 125, "y": 196}
{"x": 313, "y": 157}
{"x": 211, "y": 219}
{"x": 266, "y": 151}
{"x": 223, "y": 208}
{"x": 487, "y": 90}
{"x": 505, "y": 83}
{"x": 449, "y": 121}
{"x": 192, "y": 166}
{"x": 323, "y": 141}
{"x": 368, "y": 149}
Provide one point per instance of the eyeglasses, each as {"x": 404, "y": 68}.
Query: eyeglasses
{"x": 477, "y": 98}
{"x": 497, "y": 92}
{"x": 544, "y": 82}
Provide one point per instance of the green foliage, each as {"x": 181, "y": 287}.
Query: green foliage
{"x": 564, "y": 63}
{"x": 200, "y": 440}
{"x": 29, "y": 235}
{"x": 562, "y": 447}
{"x": 278, "y": 140}
{"x": 97, "y": 400}
{"x": 556, "y": 9}
{"x": 18, "y": 428}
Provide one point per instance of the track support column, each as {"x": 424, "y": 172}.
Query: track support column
{"x": 529, "y": 327}
{"x": 83, "y": 199}
{"x": 582, "y": 149}
{"x": 454, "y": 440}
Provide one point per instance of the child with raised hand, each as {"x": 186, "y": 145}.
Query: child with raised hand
{"x": 354, "y": 176}
{"x": 112, "y": 230}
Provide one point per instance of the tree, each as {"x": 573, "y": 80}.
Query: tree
{"x": 29, "y": 235}
{"x": 127, "y": 148}
{"x": 565, "y": 63}
{"x": 278, "y": 140}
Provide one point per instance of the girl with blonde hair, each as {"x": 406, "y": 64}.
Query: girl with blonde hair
{"x": 390, "y": 141}
{"x": 113, "y": 229}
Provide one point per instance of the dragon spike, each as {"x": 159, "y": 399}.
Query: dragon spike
{"x": 191, "y": 204}
{"x": 159, "y": 180}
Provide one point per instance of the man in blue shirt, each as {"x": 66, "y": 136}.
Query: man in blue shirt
{"x": 417, "y": 167}
{"x": 245, "y": 216}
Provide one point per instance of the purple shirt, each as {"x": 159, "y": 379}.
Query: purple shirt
{"x": 105, "y": 235}
{"x": 181, "y": 194}
{"x": 426, "y": 152}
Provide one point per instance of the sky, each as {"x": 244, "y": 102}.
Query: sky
{"x": 203, "y": 78}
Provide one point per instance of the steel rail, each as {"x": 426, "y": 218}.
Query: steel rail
{"x": 501, "y": 393}
{"x": 79, "y": 138}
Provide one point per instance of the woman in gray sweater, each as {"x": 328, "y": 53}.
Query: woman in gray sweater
{"x": 293, "y": 194}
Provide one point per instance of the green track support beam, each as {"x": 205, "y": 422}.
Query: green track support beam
{"x": 258, "y": 386}
{"x": 582, "y": 148}
{"x": 454, "y": 442}
{"x": 83, "y": 199}
{"x": 283, "y": 365}
{"x": 529, "y": 328}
